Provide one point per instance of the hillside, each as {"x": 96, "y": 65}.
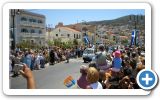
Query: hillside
{"x": 129, "y": 19}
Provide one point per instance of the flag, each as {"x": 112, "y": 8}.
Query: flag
{"x": 133, "y": 37}
{"x": 86, "y": 40}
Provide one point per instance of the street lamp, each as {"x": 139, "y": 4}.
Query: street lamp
{"x": 14, "y": 12}
{"x": 84, "y": 28}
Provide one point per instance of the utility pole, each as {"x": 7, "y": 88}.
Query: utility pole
{"x": 13, "y": 31}
{"x": 14, "y": 12}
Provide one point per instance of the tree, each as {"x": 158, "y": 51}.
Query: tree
{"x": 75, "y": 42}
{"x": 111, "y": 42}
{"x": 125, "y": 41}
{"x": 50, "y": 43}
{"x": 27, "y": 44}
{"x": 57, "y": 42}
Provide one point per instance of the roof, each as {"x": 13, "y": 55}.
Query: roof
{"x": 33, "y": 14}
{"x": 124, "y": 37}
{"x": 70, "y": 29}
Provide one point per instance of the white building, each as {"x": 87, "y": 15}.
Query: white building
{"x": 27, "y": 26}
{"x": 65, "y": 34}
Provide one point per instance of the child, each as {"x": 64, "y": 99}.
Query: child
{"x": 92, "y": 78}
{"x": 117, "y": 62}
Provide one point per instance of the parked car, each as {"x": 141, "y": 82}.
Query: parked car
{"x": 88, "y": 54}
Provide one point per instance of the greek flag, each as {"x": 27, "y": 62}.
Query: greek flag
{"x": 133, "y": 37}
{"x": 86, "y": 40}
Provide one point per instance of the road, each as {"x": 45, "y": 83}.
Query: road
{"x": 51, "y": 77}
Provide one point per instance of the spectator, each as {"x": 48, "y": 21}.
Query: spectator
{"x": 52, "y": 57}
{"x": 67, "y": 55}
{"x": 16, "y": 60}
{"x": 101, "y": 58}
{"x": 117, "y": 62}
{"x": 125, "y": 83}
{"x": 92, "y": 78}
{"x": 82, "y": 82}
{"x": 28, "y": 59}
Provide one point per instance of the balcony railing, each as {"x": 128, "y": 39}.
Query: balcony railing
{"x": 32, "y": 24}
{"x": 36, "y": 35}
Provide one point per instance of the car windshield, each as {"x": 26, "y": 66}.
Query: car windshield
{"x": 88, "y": 51}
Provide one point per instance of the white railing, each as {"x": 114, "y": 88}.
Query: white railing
{"x": 32, "y": 35}
{"x": 32, "y": 24}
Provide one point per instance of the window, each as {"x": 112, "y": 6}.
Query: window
{"x": 23, "y": 19}
{"x": 74, "y": 36}
{"x": 32, "y": 20}
{"x": 32, "y": 41}
{"x": 23, "y": 41}
{"x": 32, "y": 31}
{"x": 40, "y": 21}
{"x": 77, "y": 36}
{"x": 24, "y": 30}
{"x": 57, "y": 35}
{"x": 40, "y": 32}
{"x": 68, "y": 35}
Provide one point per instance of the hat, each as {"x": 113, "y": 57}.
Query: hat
{"x": 117, "y": 53}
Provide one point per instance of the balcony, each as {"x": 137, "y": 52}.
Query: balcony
{"x": 32, "y": 35}
{"x": 32, "y": 24}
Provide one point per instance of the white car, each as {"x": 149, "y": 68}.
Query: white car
{"x": 88, "y": 54}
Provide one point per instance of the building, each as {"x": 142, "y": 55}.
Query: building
{"x": 26, "y": 26}
{"x": 65, "y": 34}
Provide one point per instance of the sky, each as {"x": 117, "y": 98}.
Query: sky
{"x": 72, "y": 16}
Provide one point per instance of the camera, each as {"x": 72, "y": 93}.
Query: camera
{"x": 18, "y": 67}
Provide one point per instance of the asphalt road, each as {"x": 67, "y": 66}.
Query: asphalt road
{"x": 51, "y": 77}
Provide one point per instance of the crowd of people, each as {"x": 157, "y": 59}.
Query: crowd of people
{"x": 116, "y": 70}
{"x": 40, "y": 58}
